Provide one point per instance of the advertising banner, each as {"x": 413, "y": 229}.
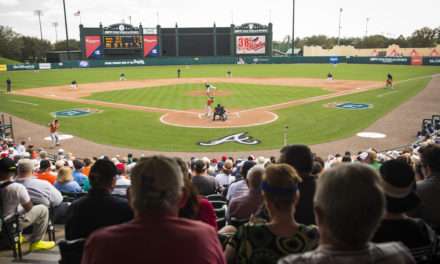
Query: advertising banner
{"x": 251, "y": 44}
{"x": 3, "y": 67}
{"x": 93, "y": 46}
{"x": 151, "y": 47}
{"x": 44, "y": 66}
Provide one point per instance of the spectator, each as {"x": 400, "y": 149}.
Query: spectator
{"x": 156, "y": 235}
{"x": 399, "y": 182}
{"x": 266, "y": 243}
{"x": 79, "y": 177}
{"x": 65, "y": 182}
{"x": 246, "y": 205}
{"x": 15, "y": 199}
{"x": 122, "y": 182}
{"x": 98, "y": 208}
{"x": 225, "y": 178}
{"x": 239, "y": 187}
{"x": 301, "y": 158}
{"x": 204, "y": 183}
{"x": 45, "y": 172}
{"x": 196, "y": 207}
{"x": 40, "y": 191}
{"x": 429, "y": 188}
{"x": 349, "y": 204}
{"x": 21, "y": 148}
{"x": 87, "y": 165}
{"x": 370, "y": 158}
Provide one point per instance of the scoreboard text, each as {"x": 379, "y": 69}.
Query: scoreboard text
{"x": 123, "y": 42}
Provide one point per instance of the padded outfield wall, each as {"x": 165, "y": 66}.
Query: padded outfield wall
{"x": 162, "y": 61}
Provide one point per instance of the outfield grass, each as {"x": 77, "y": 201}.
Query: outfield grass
{"x": 309, "y": 124}
{"x": 29, "y": 79}
{"x": 242, "y": 96}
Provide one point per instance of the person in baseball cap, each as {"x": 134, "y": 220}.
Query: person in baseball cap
{"x": 7, "y": 166}
{"x": 399, "y": 187}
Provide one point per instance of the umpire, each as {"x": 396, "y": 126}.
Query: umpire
{"x": 8, "y": 85}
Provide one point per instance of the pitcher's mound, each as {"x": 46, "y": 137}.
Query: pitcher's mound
{"x": 235, "y": 119}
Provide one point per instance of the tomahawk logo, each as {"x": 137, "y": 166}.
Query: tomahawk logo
{"x": 239, "y": 138}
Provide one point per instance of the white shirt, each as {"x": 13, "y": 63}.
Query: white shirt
{"x": 224, "y": 179}
{"x": 12, "y": 196}
{"x": 21, "y": 149}
{"x": 237, "y": 189}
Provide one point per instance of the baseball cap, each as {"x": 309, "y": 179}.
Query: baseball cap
{"x": 7, "y": 165}
{"x": 399, "y": 186}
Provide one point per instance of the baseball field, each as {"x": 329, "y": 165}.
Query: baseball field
{"x": 153, "y": 110}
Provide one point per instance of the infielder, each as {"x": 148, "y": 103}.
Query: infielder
{"x": 389, "y": 82}
{"x": 122, "y": 77}
{"x": 74, "y": 85}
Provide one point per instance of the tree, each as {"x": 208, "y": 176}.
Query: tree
{"x": 61, "y": 45}
{"x": 34, "y": 49}
{"x": 10, "y": 43}
{"x": 424, "y": 37}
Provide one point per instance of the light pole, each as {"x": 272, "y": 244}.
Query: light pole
{"x": 366, "y": 26}
{"x": 340, "y": 25}
{"x": 39, "y": 13}
{"x": 67, "y": 32}
{"x": 293, "y": 28}
{"x": 55, "y": 25}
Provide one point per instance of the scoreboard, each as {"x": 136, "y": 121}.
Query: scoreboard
{"x": 123, "y": 42}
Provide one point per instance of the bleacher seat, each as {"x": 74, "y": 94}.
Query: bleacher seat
{"x": 71, "y": 251}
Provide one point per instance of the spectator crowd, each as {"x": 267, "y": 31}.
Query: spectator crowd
{"x": 368, "y": 207}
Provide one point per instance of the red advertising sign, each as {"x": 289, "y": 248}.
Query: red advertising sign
{"x": 150, "y": 46}
{"x": 251, "y": 44}
{"x": 92, "y": 44}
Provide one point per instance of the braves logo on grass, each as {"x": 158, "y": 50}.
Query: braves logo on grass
{"x": 76, "y": 112}
{"x": 239, "y": 138}
{"x": 349, "y": 106}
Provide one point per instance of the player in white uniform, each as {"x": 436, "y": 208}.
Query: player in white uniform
{"x": 210, "y": 89}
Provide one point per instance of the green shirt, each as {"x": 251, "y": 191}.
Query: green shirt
{"x": 257, "y": 244}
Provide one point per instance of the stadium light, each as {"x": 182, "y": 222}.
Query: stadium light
{"x": 366, "y": 26}
{"x": 293, "y": 28}
{"x": 55, "y": 25}
{"x": 67, "y": 32}
{"x": 39, "y": 13}
{"x": 340, "y": 25}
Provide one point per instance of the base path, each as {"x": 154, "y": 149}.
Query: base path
{"x": 194, "y": 118}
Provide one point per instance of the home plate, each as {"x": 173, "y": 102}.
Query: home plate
{"x": 61, "y": 137}
{"x": 373, "y": 135}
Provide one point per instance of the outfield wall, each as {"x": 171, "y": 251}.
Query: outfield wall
{"x": 161, "y": 61}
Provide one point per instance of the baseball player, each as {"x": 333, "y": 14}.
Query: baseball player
{"x": 74, "y": 85}
{"x": 210, "y": 89}
{"x": 389, "y": 82}
{"x": 209, "y": 104}
{"x": 122, "y": 77}
{"x": 53, "y": 130}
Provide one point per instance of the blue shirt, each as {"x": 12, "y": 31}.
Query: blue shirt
{"x": 68, "y": 187}
{"x": 81, "y": 179}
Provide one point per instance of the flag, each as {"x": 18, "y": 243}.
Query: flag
{"x": 77, "y": 13}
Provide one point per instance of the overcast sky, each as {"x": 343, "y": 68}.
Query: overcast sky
{"x": 387, "y": 17}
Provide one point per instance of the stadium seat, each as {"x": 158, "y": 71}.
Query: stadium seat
{"x": 236, "y": 222}
{"x": 71, "y": 251}
{"x": 215, "y": 197}
{"x": 220, "y": 213}
{"x": 11, "y": 229}
{"x": 70, "y": 197}
{"x": 218, "y": 204}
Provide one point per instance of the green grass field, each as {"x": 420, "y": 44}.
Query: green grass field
{"x": 311, "y": 123}
{"x": 30, "y": 79}
{"x": 243, "y": 96}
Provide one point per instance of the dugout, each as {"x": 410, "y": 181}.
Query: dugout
{"x": 124, "y": 41}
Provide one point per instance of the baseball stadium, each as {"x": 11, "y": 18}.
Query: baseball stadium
{"x": 155, "y": 135}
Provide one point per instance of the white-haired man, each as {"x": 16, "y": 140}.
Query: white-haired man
{"x": 15, "y": 199}
{"x": 156, "y": 235}
{"x": 349, "y": 204}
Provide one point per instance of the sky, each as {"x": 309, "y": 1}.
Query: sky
{"x": 387, "y": 17}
